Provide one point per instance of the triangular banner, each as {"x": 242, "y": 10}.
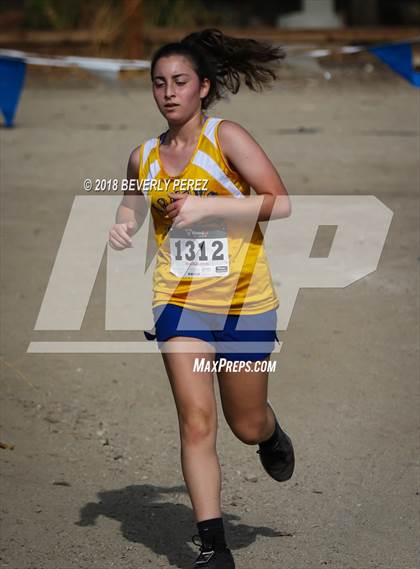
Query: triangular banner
{"x": 400, "y": 58}
{"x": 12, "y": 75}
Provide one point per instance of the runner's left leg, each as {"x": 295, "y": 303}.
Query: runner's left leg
{"x": 244, "y": 401}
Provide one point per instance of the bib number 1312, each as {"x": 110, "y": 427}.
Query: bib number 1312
{"x": 199, "y": 257}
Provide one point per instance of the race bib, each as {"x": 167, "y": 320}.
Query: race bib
{"x": 197, "y": 252}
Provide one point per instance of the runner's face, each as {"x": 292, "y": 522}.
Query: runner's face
{"x": 177, "y": 89}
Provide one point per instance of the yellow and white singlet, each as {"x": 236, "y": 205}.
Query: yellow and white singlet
{"x": 216, "y": 265}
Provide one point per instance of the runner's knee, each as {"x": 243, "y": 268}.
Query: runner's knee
{"x": 196, "y": 425}
{"x": 250, "y": 429}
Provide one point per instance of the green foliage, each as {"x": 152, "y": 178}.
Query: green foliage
{"x": 71, "y": 14}
{"x": 64, "y": 14}
{"x": 55, "y": 14}
{"x": 181, "y": 13}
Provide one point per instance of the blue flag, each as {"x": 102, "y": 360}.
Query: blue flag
{"x": 12, "y": 75}
{"x": 400, "y": 58}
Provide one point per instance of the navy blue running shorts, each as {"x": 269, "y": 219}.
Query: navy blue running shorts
{"x": 230, "y": 335}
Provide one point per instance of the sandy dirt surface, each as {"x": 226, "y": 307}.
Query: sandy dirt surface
{"x": 94, "y": 478}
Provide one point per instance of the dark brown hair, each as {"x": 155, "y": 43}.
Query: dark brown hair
{"x": 226, "y": 61}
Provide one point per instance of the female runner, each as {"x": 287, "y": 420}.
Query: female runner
{"x": 213, "y": 292}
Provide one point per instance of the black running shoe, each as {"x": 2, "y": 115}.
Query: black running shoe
{"x": 279, "y": 460}
{"x": 212, "y": 558}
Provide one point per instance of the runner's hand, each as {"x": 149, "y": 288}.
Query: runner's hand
{"x": 185, "y": 209}
{"x": 120, "y": 235}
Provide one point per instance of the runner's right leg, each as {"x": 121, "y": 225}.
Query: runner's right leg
{"x": 197, "y": 415}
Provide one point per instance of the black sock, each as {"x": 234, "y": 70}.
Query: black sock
{"x": 212, "y": 532}
{"x": 269, "y": 442}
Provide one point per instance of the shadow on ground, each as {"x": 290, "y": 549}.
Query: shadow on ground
{"x": 163, "y": 527}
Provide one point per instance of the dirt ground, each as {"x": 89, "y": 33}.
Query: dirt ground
{"x": 94, "y": 478}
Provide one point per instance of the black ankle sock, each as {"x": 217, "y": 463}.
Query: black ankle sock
{"x": 269, "y": 442}
{"x": 212, "y": 532}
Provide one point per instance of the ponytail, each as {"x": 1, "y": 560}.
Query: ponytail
{"x": 226, "y": 61}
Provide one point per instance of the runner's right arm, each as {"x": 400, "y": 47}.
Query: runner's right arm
{"x": 132, "y": 210}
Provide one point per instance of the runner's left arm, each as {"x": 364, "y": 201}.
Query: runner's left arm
{"x": 244, "y": 155}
